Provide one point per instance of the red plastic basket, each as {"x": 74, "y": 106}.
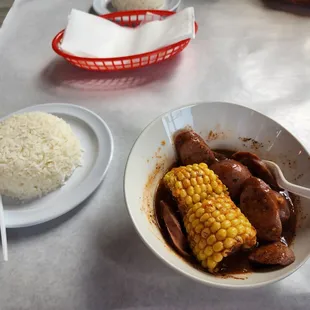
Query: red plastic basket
{"x": 127, "y": 19}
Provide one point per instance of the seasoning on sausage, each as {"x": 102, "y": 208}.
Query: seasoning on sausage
{"x": 257, "y": 167}
{"x": 233, "y": 174}
{"x": 273, "y": 254}
{"x": 259, "y": 204}
{"x": 192, "y": 149}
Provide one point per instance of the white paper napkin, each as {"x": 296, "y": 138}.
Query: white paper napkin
{"x": 88, "y": 35}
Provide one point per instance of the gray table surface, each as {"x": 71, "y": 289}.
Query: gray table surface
{"x": 92, "y": 257}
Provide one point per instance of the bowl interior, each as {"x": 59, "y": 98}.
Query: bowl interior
{"x": 224, "y": 126}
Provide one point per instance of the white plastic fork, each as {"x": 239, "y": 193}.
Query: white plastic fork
{"x": 282, "y": 182}
{"x": 3, "y": 233}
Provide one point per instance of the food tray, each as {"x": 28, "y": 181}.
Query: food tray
{"x": 127, "y": 19}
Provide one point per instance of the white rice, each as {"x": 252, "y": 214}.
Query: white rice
{"x": 126, "y": 5}
{"x": 38, "y": 153}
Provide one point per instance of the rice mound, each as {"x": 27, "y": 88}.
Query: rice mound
{"x": 126, "y": 5}
{"x": 38, "y": 153}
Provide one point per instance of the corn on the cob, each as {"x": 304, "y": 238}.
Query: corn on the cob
{"x": 214, "y": 225}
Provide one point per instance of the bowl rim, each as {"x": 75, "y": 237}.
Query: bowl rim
{"x": 153, "y": 249}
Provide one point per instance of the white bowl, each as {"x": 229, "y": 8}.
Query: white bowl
{"x": 153, "y": 153}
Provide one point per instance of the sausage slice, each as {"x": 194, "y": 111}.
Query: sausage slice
{"x": 259, "y": 204}
{"x": 174, "y": 229}
{"x": 257, "y": 167}
{"x": 233, "y": 174}
{"x": 192, "y": 149}
{"x": 273, "y": 254}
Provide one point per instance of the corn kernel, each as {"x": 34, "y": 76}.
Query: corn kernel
{"x": 200, "y": 212}
{"x": 208, "y": 251}
{"x": 225, "y": 253}
{"x": 191, "y": 218}
{"x": 203, "y": 187}
{"x": 211, "y": 263}
{"x": 210, "y": 222}
{"x": 189, "y": 168}
{"x": 212, "y": 176}
{"x": 199, "y": 228}
{"x": 232, "y": 232}
{"x": 190, "y": 190}
{"x": 187, "y": 175}
{"x": 196, "y": 249}
{"x": 201, "y": 256}
{"x": 235, "y": 222}
{"x": 211, "y": 240}
{"x": 248, "y": 224}
{"x": 195, "y": 223}
{"x": 200, "y": 180}
{"x": 205, "y": 217}
{"x": 221, "y": 218}
{"x": 197, "y": 189}
{"x": 193, "y": 182}
{"x": 193, "y": 174}
{"x": 221, "y": 234}
{"x": 197, "y": 239}
{"x": 218, "y": 246}
{"x": 188, "y": 200}
{"x": 248, "y": 230}
{"x": 230, "y": 216}
{"x": 206, "y": 179}
{"x": 203, "y": 165}
{"x": 202, "y": 244}
{"x": 210, "y": 208}
{"x": 253, "y": 233}
{"x": 224, "y": 210}
{"x": 203, "y": 196}
{"x": 209, "y": 188}
{"x": 239, "y": 239}
{"x": 241, "y": 229}
{"x": 214, "y": 184}
{"x": 218, "y": 205}
{"x": 216, "y": 213}
{"x": 178, "y": 184}
{"x": 197, "y": 206}
{"x": 217, "y": 257}
{"x": 180, "y": 176}
{"x": 186, "y": 183}
{"x": 183, "y": 193}
{"x": 195, "y": 167}
{"x": 226, "y": 224}
{"x": 229, "y": 243}
{"x": 205, "y": 232}
{"x": 215, "y": 227}
{"x": 196, "y": 198}
{"x": 218, "y": 189}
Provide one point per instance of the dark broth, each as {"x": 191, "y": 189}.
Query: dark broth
{"x": 237, "y": 263}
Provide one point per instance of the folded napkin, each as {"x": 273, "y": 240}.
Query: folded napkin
{"x": 87, "y": 35}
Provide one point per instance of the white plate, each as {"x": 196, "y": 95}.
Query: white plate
{"x": 97, "y": 143}
{"x": 104, "y": 6}
{"x": 154, "y": 153}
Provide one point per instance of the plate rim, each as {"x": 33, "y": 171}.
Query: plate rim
{"x": 58, "y": 108}
{"x": 101, "y": 10}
